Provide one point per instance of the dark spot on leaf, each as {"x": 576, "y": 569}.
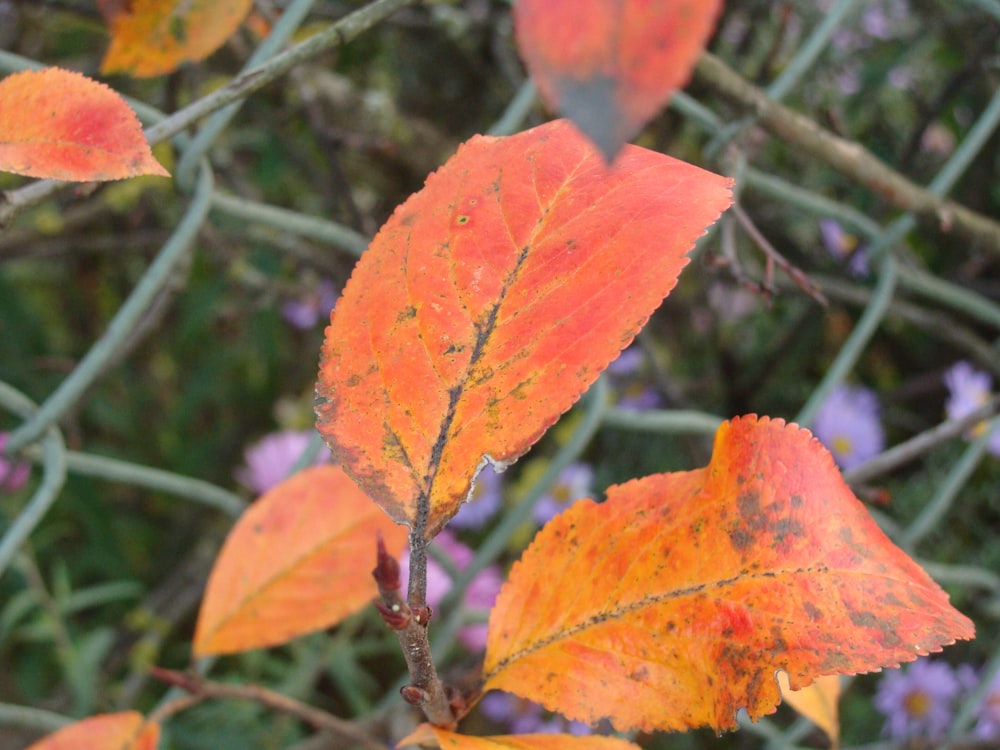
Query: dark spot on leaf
{"x": 178, "y": 30}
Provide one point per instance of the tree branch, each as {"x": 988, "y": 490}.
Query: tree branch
{"x": 201, "y": 690}
{"x": 848, "y": 157}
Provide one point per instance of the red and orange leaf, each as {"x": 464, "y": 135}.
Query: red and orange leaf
{"x": 817, "y": 702}
{"x": 299, "y": 560}
{"x": 123, "y": 731}
{"x": 672, "y": 604}
{"x": 153, "y": 37}
{"x": 610, "y": 65}
{"x": 64, "y": 126}
{"x": 431, "y": 736}
{"x": 491, "y": 300}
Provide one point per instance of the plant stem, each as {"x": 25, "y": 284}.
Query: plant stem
{"x": 201, "y": 689}
{"x": 850, "y": 158}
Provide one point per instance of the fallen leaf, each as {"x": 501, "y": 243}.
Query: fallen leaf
{"x": 610, "y": 65}
{"x": 298, "y": 560}
{"x": 122, "y": 731}
{"x": 431, "y": 736}
{"x": 817, "y": 702}
{"x": 64, "y": 126}
{"x": 153, "y": 37}
{"x": 490, "y": 301}
{"x": 672, "y": 604}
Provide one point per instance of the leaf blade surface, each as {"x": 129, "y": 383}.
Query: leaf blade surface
{"x": 61, "y": 125}
{"x": 610, "y": 66}
{"x": 127, "y": 730}
{"x": 490, "y": 301}
{"x": 153, "y": 37}
{"x": 427, "y": 734}
{"x": 712, "y": 580}
{"x": 298, "y": 560}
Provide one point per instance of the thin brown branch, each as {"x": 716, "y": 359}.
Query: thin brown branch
{"x": 201, "y": 690}
{"x": 408, "y": 620}
{"x": 847, "y": 157}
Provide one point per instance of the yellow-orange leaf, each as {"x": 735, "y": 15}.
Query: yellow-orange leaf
{"x": 610, "y": 65}
{"x": 817, "y": 702}
{"x": 431, "y": 736}
{"x": 491, "y": 300}
{"x": 153, "y": 37}
{"x": 64, "y": 126}
{"x": 672, "y": 604}
{"x": 299, "y": 559}
{"x": 123, "y": 731}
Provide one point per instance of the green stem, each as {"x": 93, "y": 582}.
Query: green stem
{"x": 124, "y": 323}
{"x": 115, "y": 470}
{"x": 290, "y": 20}
{"x": 944, "y": 498}
{"x": 53, "y": 478}
{"x": 321, "y": 230}
{"x": 665, "y": 421}
{"x": 32, "y": 718}
{"x": 852, "y": 349}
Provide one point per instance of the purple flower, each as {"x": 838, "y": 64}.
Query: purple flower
{"x": 624, "y": 374}
{"x": 13, "y": 474}
{"x": 484, "y": 502}
{"x": 917, "y": 702}
{"x": 844, "y": 247}
{"x": 573, "y": 483}
{"x": 988, "y": 712}
{"x": 848, "y": 425}
{"x": 315, "y": 306}
{"x": 479, "y": 596}
{"x": 270, "y": 459}
{"x": 968, "y": 389}
{"x": 525, "y": 717}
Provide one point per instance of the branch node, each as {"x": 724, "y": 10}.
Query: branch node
{"x": 415, "y": 696}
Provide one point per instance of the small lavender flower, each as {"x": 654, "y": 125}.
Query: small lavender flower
{"x": 270, "y": 459}
{"x": 314, "y": 307}
{"x": 573, "y": 483}
{"x": 487, "y": 496}
{"x": 848, "y": 425}
{"x": 479, "y": 596}
{"x": 844, "y": 247}
{"x": 968, "y": 389}
{"x": 917, "y": 702}
{"x": 988, "y": 713}
{"x": 624, "y": 374}
{"x": 13, "y": 474}
{"x": 525, "y": 717}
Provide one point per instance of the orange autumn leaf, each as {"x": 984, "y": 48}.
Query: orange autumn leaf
{"x": 672, "y": 604}
{"x": 817, "y": 702}
{"x": 298, "y": 560}
{"x": 153, "y": 37}
{"x": 431, "y": 736}
{"x": 64, "y": 126}
{"x": 490, "y": 301}
{"x": 610, "y": 65}
{"x": 122, "y": 731}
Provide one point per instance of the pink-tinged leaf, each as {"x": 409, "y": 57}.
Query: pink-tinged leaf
{"x": 64, "y": 126}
